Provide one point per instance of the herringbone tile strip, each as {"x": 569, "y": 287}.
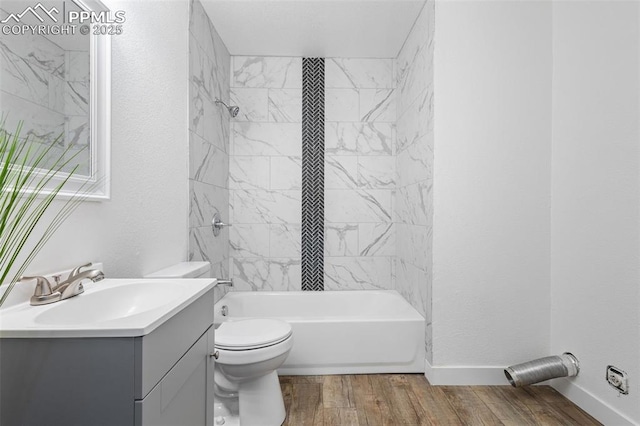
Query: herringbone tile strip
{"x": 312, "y": 174}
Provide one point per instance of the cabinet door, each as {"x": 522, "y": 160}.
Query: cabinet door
{"x": 180, "y": 398}
{"x": 210, "y": 384}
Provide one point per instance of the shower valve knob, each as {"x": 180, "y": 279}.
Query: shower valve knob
{"x": 217, "y": 224}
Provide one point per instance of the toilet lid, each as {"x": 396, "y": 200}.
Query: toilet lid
{"x": 251, "y": 333}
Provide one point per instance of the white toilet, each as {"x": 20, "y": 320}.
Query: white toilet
{"x": 184, "y": 270}
{"x": 248, "y": 354}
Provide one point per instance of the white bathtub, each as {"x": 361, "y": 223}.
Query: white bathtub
{"x": 339, "y": 332}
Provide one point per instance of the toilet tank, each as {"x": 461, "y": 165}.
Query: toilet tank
{"x": 184, "y": 270}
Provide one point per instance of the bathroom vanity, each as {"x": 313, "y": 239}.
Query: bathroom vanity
{"x": 103, "y": 373}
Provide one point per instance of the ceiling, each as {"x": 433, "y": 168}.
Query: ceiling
{"x": 322, "y": 28}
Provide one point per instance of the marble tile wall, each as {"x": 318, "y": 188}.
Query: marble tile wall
{"x": 360, "y": 174}
{"x": 265, "y": 173}
{"x": 414, "y": 163}
{"x": 76, "y": 104}
{"x": 47, "y": 88}
{"x": 32, "y": 84}
{"x": 378, "y": 171}
{"x": 209, "y": 127}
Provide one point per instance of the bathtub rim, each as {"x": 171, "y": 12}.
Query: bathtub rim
{"x": 411, "y": 313}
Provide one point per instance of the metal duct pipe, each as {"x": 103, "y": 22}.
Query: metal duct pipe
{"x": 542, "y": 369}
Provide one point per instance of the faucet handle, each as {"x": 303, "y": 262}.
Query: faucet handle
{"x": 43, "y": 293}
{"x": 43, "y": 287}
{"x": 76, "y": 271}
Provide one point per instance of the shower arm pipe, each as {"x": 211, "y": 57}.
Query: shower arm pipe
{"x": 233, "y": 110}
{"x": 218, "y": 101}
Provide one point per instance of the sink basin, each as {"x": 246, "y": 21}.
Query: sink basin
{"x": 110, "y": 304}
{"x": 108, "y": 308}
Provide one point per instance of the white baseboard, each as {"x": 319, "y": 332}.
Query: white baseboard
{"x": 461, "y": 376}
{"x": 597, "y": 408}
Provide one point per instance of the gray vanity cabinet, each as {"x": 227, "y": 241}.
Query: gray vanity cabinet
{"x": 163, "y": 378}
{"x": 182, "y": 396}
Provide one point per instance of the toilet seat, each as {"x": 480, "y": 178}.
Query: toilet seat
{"x": 251, "y": 334}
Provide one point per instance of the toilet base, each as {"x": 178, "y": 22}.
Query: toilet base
{"x": 261, "y": 401}
{"x": 225, "y": 412}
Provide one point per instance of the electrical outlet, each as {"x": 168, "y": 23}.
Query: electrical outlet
{"x": 618, "y": 379}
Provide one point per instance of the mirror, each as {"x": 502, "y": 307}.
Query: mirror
{"x": 55, "y": 79}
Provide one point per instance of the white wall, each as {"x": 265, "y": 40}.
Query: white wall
{"x": 595, "y": 220}
{"x": 144, "y": 226}
{"x": 491, "y": 184}
{"x": 537, "y": 193}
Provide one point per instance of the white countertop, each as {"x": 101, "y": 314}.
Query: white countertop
{"x": 108, "y": 308}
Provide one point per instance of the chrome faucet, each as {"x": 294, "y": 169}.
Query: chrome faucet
{"x": 42, "y": 294}
{"x": 70, "y": 287}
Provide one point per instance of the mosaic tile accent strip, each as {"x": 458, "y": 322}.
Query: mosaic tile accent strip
{"x": 313, "y": 174}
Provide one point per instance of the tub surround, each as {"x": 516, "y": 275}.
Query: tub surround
{"x": 414, "y": 163}
{"x": 265, "y": 173}
{"x": 209, "y": 128}
{"x": 368, "y": 206}
{"x": 360, "y": 174}
{"x": 266, "y": 169}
